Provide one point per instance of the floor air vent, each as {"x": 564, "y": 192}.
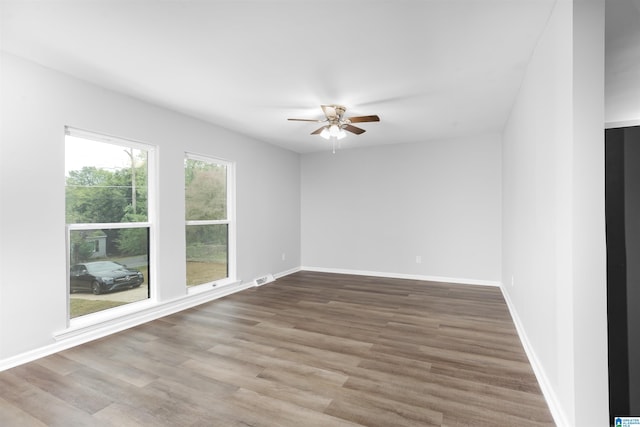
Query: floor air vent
{"x": 264, "y": 280}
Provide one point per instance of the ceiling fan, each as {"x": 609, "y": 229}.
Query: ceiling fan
{"x": 337, "y": 123}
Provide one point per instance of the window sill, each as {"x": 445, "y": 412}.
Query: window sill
{"x": 97, "y": 325}
{"x": 102, "y": 318}
{"x": 207, "y": 287}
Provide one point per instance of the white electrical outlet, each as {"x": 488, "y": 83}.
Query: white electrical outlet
{"x": 284, "y": 256}
{"x": 513, "y": 281}
{"x": 418, "y": 259}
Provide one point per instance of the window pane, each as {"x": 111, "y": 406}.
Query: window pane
{"x": 109, "y": 267}
{"x": 105, "y": 182}
{"x": 205, "y": 190}
{"x": 207, "y": 258}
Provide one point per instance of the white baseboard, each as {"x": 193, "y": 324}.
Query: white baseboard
{"x": 463, "y": 281}
{"x": 286, "y": 272}
{"x": 552, "y": 400}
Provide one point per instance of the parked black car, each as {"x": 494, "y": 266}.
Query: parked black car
{"x": 103, "y": 276}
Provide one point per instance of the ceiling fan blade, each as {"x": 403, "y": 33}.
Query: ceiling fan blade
{"x": 306, "y": 120}
{"x": 354, "y": 129}
{"x": 361, "y": 119}
{"x": 329, "y": 111}
{"x": 317, "y": 131}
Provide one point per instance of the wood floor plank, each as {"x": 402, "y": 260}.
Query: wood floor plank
{"x": 295, "y": 395}
{"x": 12, "y": 415}
{"x": 377, "y": 413}
{"x": 124, "y": 415}
{"x": 48, "y": 408}
{"x": 311, "y": 349}
{"x": 58, "y": 364}
{"x": 267, "y": 411}
{"x": 63, "y": 388}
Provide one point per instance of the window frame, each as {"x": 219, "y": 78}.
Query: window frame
{"x": 230, "y": 221}
{"x": 149, "y": 224}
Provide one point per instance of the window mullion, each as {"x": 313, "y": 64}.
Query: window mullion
{"x": 207, "y": 222}
{"x": 108, "y": 225}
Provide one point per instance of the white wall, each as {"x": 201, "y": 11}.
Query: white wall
{"x": 376, "y": 209}
{"x": 553, "y": 208}
{"x": 36, "y": 105}
{"x": 589, "y": 239}
{"x": 622, "y": 61}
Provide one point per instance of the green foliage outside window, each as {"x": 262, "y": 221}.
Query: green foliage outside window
{"x": 206, "y": 200}
{"x": 100, "y": 195}
{"x": 81, "y": 247}
{"x": 205, "y": 190}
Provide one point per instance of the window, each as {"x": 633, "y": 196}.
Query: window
{"x": 210, "y": 234}
{"x": 108, "y": 221}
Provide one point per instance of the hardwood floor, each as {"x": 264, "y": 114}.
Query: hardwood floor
{"x": 310, "y": 349}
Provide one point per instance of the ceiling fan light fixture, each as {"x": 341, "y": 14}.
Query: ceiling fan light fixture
{"x": 336, "y": 123}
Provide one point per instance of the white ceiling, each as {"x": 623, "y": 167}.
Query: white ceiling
{"x": 430, "y": 69}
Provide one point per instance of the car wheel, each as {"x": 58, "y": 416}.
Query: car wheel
{"x": 95, "y": 288}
